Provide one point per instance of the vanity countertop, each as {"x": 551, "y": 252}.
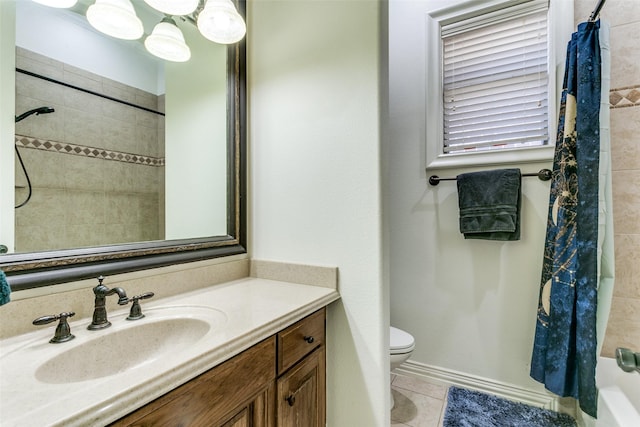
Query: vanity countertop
{"x": 247, "y": 311}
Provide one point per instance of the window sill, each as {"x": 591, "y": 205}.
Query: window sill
{"x": 520, "y": 155}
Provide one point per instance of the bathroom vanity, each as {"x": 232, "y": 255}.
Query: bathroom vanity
{"x": 288, "y": 367}
{"x": 249, "y": 352}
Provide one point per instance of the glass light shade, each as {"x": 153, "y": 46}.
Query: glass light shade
{"x": 173, "y": 7}
{"x": 116, "y": 18}
{"x": 220, "y": 22}
{"x": 62, "y": 4}
{"x": 167, "y": 42}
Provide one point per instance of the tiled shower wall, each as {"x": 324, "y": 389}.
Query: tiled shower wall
{"x": 96, "y": 166}
{"x": 624, "y": 17}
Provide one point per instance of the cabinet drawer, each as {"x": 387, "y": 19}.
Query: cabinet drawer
{"x": 300, "y": 339}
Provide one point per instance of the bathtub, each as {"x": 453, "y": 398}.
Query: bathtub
{"x": 619, "y": 398}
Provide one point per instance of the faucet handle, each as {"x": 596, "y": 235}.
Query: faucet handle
{"x": 136, "y": 310}
{"x": 63, "y": 330}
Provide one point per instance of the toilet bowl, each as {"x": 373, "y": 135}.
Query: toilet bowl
{"x": 401, "y": 345}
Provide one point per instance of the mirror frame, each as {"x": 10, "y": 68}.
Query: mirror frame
{"x": 37, "y": 269}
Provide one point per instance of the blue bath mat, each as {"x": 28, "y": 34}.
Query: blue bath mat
{"x": 467, "y": 408}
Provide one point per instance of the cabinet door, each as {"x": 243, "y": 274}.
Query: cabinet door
{"x": 301, "y": 393}
{"x": 243, "y": 419}
{"x": 256, "y": 413}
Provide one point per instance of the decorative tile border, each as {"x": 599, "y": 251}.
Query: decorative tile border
{"x": 82, "y": 150}
{"x": 625, "y": 97}
{"x": 619, "y": 98}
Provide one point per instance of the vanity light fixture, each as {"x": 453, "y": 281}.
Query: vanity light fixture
{"x": 220, "y": 22}
{"x": 116, "y": 18}
{"x": 174, "y": 7}
{"x": 167, "y": 42}
{"x": 61, "y": 4}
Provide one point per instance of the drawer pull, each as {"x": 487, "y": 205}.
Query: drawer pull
{"x": 291, "y": 399}
{"x": 309, "y": 339}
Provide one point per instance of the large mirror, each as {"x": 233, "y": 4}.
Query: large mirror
{"x": 139, "y": 164}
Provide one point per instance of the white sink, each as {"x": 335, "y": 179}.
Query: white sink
{"x": 163, "y": 333}
{"x": 121, "y": 350}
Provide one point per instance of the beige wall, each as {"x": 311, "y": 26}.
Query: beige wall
{"x": 624, "y": 17}
{"x": 316, "y": 72}
{"x": 99, "y": 180}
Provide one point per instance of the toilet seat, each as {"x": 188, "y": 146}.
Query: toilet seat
{"x": 400, "y": 342}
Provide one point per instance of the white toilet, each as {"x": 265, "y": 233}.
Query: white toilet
{"x": 401, "y": 345}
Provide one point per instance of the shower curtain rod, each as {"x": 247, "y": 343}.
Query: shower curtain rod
{"x": 596, "y": 11}
{"x": 542, "y": 174}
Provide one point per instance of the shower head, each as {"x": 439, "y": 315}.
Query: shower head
{"x": 36, "y": 111}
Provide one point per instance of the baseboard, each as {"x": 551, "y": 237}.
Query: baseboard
{"x": 508, "y": 391}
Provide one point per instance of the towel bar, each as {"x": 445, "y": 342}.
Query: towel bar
{"x": 542, "y": 174}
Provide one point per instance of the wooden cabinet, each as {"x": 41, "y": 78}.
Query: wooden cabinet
{"x": 237, "y": 393}
{"x": 300, "y": 400}
{"x": 279, "y": 381}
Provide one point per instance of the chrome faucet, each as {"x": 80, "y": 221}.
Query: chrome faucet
{"x": 100, "y": 312}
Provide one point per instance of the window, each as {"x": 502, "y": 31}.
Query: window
{"x": 495, "y": 85}
{"x": 495, "y": 94}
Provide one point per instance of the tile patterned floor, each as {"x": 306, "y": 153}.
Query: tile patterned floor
{"x": 418, "y": 403}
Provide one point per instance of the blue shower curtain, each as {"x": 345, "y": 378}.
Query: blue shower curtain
{"x": 565, "y": 345}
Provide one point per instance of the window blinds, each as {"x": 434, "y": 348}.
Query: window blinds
{"x": 496, "y": 84}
